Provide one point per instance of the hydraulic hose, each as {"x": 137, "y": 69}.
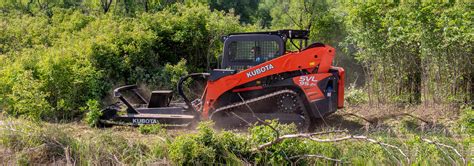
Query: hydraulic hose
{"x": 180, "y": 87}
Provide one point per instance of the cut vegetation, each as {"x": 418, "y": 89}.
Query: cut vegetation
{"x": 408, "y": 66}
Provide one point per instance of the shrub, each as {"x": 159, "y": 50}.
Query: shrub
{"x": 26, "y": 98}
{"x": 74, "y": 56}
{"x": 355, "y": 96}
{"x": 207, "y": 147}
{"x": 93, "y": 115}
{"x": 466, "y": 121}
{"x": 278, "y": 153}
{"x": 194, "y": 148}
{"x": 172, "y": 73}
{"x": 234, "y": 147}
{"x": 187, "y": 150}
{"x": 151, "y": 129}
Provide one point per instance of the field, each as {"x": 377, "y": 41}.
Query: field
{"x": 424, "y": 135}
{"x": 408, "y": 91}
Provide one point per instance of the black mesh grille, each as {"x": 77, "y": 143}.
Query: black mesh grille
{"x": 253, "y": 51}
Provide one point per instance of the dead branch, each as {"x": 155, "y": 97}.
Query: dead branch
{"x": 258, "y": 119}
{"x": 292, "y": 19}
{"x": 361, "y": 137}
{"x": 67, "y": 156}
{"x": 360, "y": 117}
{"x": 372, "y": 121}
{"x": 241, "y": 118}
{"x": 302, "y": 135}
{"x": 416, "y": 117}
{"x": 446, "y": 146}
{"x": 446, "y": 154}
{"x": 338, "y": 139}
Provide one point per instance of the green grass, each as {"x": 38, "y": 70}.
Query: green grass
{"x": 26, "y": 142}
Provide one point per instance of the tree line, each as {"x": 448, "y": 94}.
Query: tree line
{"x": 56, "y": 55}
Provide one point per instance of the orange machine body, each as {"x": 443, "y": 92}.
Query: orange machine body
{"x": 316, "y": 60}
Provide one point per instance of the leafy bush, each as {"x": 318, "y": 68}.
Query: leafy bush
{"x": 194, "y": 149}
{"x": 355, "y": 96}
{"x": 26, "y": 98}
{"x": 187, "y": 150}
{"x": 49, "y": 84}
{"x": 172, "y": 73}
{"x": 207, "y": 147}
{"x": 151, "y": 129}
{"x": 74, "y": 56}
{"x": 234, "y": 147}
{"x": 93, "y": 115}
{"x": 466, "y": 121}
{"x": 278, "y": 153}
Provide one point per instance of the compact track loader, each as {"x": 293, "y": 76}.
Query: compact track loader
{"x": 258, "y": 80}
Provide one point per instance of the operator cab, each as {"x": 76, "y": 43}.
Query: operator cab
{"x": 244, "y": 50}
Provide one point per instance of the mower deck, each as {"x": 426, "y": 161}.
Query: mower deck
{"x": 156, "y": 110}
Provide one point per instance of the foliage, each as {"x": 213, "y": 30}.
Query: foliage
{"x": 151, "y": 129}
{"x": 278, "y": 153}
{"x": 43, "y": 143}
{"x": 97, "y": 150}
{"x": 405, "y": 49}
{"x": 93, "y": 114}
{"x": 26, "y": 100}
{"x": 466, "y": 121}
{"x": 71, "y": 57}
{"x": 355, "y": 96}
{"x": 194, "y": 149}
{"x": 57, "y": 57}
{"x": 172, "y": 73}
{"x": 34, "y": 141}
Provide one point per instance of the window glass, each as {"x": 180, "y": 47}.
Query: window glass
{"x": 253, "y": 51}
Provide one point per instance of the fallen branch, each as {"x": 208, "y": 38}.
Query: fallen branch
{"x": 302, "y": 135}
{"x": 242, "y": 119}
{"x": 258, "y": 119}
{"x": 67, "y": 155}
{"x": 416, "y": 117}
{"x": 349, "y": 137}
{"x": 375, "y": 120}
{"x": 360, "y": 117}
{"x": 360, "y": 137}
{"x": 447, "y": 146}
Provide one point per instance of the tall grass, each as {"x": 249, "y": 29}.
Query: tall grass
{"x": 41, "y": 143}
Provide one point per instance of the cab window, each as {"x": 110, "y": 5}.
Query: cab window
{"x": 253, "y": 51}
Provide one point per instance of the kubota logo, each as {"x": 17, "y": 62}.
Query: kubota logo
{"x": 144, "y": 121}
{"x": 259, "y": 70}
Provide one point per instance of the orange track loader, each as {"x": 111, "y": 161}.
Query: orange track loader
{"x": 258, "y": 80}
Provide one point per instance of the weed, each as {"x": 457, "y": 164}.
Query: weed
{"x": 355, "y": 96}
{"x": 151, "y": 129}
{"x": 466, "y": 121}
{"x": 92, "y": 117}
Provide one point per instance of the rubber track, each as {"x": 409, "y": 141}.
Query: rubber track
{"x": 252, "y": 101}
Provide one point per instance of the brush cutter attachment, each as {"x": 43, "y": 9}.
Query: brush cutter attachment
{"x": 157, "y": 109}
